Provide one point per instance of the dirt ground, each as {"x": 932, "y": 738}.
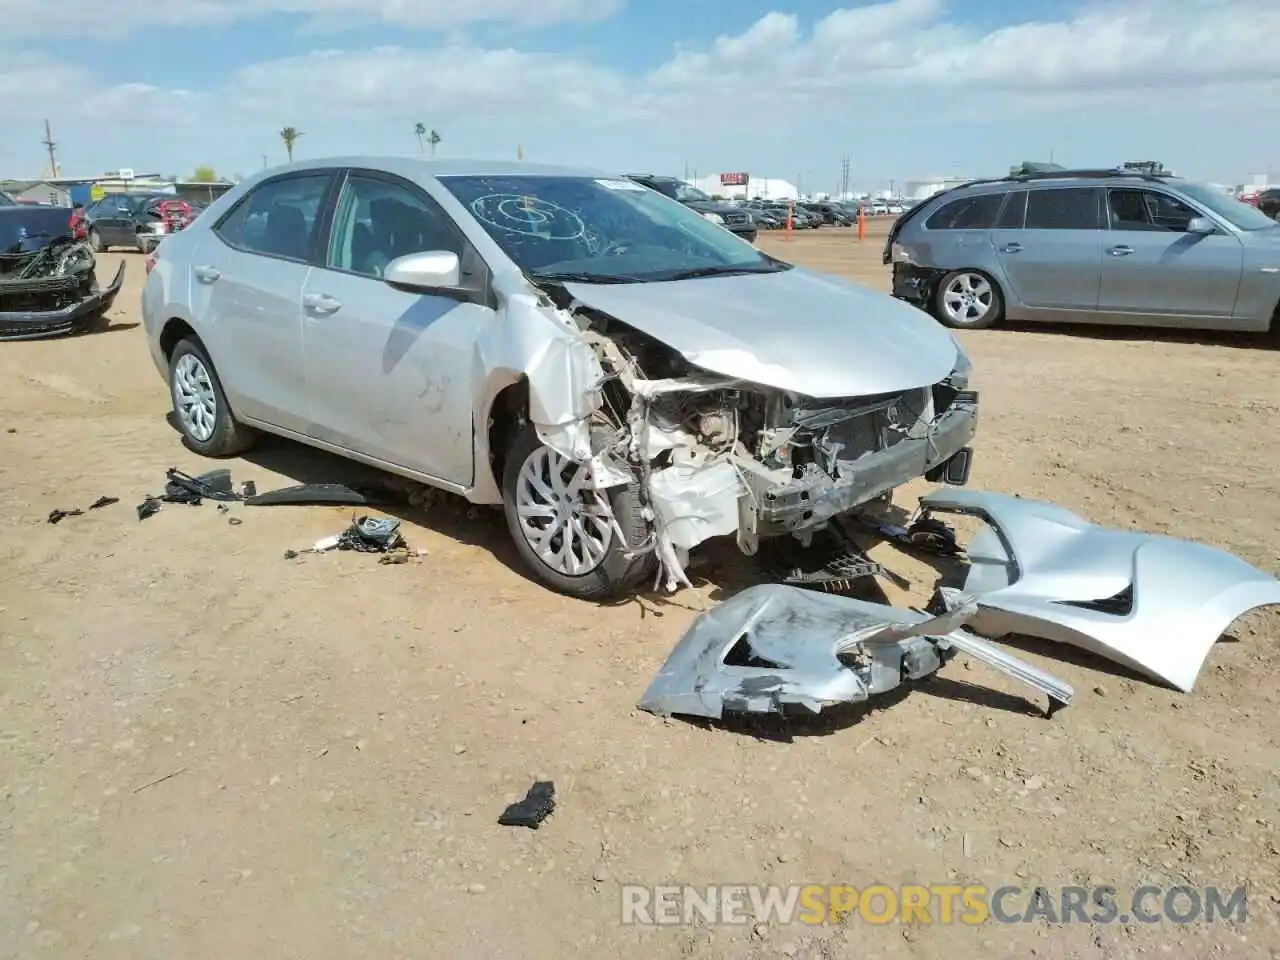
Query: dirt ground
{"x": 207, "y": 750}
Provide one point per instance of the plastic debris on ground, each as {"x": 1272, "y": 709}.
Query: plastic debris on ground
{"x": 537, "y": 805}
{"x": 379, "y": 535}
{"x": 57, "y": 516}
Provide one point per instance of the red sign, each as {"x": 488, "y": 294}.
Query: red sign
{"x": 733, "y": 179}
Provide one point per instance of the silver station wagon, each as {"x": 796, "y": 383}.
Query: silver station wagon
{"x": 1093, "y": 246}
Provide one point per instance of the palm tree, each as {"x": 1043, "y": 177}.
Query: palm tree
{"x": 290, "y": 136}
{"x": 420, "y": 131}
{"x": 434, "y": 139}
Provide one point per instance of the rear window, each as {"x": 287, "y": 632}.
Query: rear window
{"x": 1066, "y": 208}
{"x": 967, "y": 213}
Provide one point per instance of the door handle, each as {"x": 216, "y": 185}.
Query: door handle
{"x": 321, "y": 302}
{"x": 206, "y": 274}
{"x": 1120, "y": 251}
{"x": 1011, "y": 248}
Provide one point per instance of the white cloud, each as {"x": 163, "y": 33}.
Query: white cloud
{"x": 28, "y": 19}
{"x": 904, "y": 65}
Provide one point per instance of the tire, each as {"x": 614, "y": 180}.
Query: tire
{"x": 145, "y": 247}
{"x": 615, "y": 574}
{"x": 968, "y": 300}
{"x": 218, "y": 434}
{"x": 95, "y": 241}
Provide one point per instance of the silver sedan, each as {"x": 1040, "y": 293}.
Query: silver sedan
{"x": 626, "y": 378}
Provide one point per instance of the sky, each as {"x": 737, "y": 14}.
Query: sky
{"x": 906, "y": 89}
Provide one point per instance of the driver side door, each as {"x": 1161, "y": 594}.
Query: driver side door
{"x": 390, "y": 372}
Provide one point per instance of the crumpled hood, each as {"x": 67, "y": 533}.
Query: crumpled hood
{"x": 798, "y": 331}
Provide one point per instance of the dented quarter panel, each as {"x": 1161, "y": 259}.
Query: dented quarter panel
{"x": 1035, "y": 562}
{"x": 799, "y": 331}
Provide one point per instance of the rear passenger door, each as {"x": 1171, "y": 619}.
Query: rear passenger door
{"x": 248, "y": 273}
{"x": 1049, "y": 243}
{"x": 1156, "y": 273}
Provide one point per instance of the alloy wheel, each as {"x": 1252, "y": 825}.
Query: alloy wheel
{"x": 193, "y": 396}
{"x": 968, "y": 299}
{"x": 566, "y": 522}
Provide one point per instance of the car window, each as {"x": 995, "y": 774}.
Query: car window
{"x": 1242, "y": 216}
{"x": 1133, "y": 209}
{"x": 276, "y": 218}
{"x": 1014, "y": 213}
{"x": 685, "y": 193}
{"x": 967, "y": 213}
{"x": 379, "y": 220}
{"x": 1064, "y": 208}
{"x": 613, "y": 229}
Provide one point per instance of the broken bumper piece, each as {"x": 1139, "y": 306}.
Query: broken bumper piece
{"x": 774, "y": 646}
{"x": 1154, "y": 604}
{"x": 815, "y": 497}
{"x": 28, "y": 324}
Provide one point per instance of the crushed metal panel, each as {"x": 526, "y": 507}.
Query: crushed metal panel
{"x": 1152, "y": 603}
{"x": 772, "y": 645}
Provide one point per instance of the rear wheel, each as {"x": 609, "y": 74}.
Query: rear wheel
{"x": 200, "y": 406}
{"x": 968, "y": 300}
{"x": 562, "y": 527}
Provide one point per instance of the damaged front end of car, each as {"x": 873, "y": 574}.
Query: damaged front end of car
{"x": 50, "y": 289}
{"x": 714, "y": 455}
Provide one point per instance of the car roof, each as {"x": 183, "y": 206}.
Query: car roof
{"x": 414, "y": 167}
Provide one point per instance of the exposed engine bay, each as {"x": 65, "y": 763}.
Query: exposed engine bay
{"x": 714, "y": 455}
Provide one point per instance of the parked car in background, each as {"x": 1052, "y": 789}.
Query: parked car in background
{"x": 1269, "y": 202}
{"x": 829, "y": 212}
{"x": 623, "y": 377}
{"x": 1090, "y": 246}
{"x": 733, "y": 218}
{"x": 767, "y": 219}
{"x": 139, "y": 221}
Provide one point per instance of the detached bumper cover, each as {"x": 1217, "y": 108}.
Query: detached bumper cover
{"x": 1154, "y": 604}
{"x": 39, "y": 324}
{"x": 816, "y": 497}
{"x": 772, "y": 647}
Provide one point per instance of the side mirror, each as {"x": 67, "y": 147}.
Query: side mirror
{"x": 1201, "y": 225}
{"x": 434, "y": 271}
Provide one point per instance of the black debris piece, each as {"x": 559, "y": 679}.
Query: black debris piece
{"x": 248, "y": 489}
{"x": 536, "y": 806}
{"x": 312, "y": 494}
{"x": 214, "y": 485}
{"x": 372, "y": 535}
{"x": 148, "y": 508}
{"x": 291, "y": 554}
{"x": 57, "y": 516}
{"x": 926, "y": 535}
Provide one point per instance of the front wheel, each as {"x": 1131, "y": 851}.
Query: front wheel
{"x": 968, "y": 300}
{"x": 562, "y": 526}
{"x": 95, "y": 242}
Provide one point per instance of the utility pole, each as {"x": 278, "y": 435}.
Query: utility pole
{"x": 844, "y": 176}
{"x": 53, "y": 150}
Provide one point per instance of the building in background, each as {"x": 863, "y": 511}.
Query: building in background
{"x": 37, "y": 191}
{"x": 745, "y": 186}
{"x": 926, "y": 188}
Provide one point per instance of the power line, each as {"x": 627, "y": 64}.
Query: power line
{"x": 52, "y": 148}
